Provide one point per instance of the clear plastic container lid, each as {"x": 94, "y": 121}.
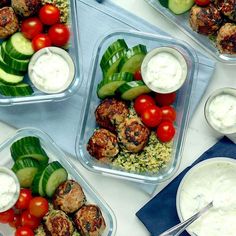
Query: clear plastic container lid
{"x": 88, "y": 125}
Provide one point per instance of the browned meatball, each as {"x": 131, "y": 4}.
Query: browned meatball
{"x": 228, "y": 8}
{"x": 133, "y": 134}
{"x": 226, "y": 39}
{"x": 111, "y": 112}
{"x": 26, "y": 8}
{"x": 89, "y": 221}
{"x": 57, "y": 223}
{"x": 4, "y": 3}
{"x": 205, "y": 20}
{"x": 8, "y": 22}
{"x": 103, "y": 145}
{"x": 69, "y": 197}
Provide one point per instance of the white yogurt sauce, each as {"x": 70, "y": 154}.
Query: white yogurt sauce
{"x": 217, "y": 182}
{"x": 50, "y": 72}
{"x": 8, "y": 189}
{"x": 222, "y": 112}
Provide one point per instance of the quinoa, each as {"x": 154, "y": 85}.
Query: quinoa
{"x": 63, "y": 6}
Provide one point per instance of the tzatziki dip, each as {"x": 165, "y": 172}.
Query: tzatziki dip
{"x": 164, "y": 70}
{"x": 211, "y": 180}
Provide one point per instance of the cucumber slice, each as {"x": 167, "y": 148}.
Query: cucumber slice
{"x": 111, "y": 66}
{"x": 21, "y": 89}
{"x": 53, "y": 175}
{"x": 25, "y": 171}
{"x": 29, "y": 147}
{"x": 108, "y": 86}
{"x": 133, "y": 89}
{"x": 19, "y": 47}
{"x": 37, "y": 186}
{"x": 133, "y": 58}
{"x": 180, "y": 6}
{"x": 16, "y": 64}
{"x": 115, "y": 47}
{"x": 10, "y": 78}
{"x": 164, "y": 3}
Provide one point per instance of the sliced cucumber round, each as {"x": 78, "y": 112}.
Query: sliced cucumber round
{"x": 10, "y": 78}
{"x": 53, "y": 175}
{"x": 131, "y": 90}
{"x": 132, "y": 60}
{"x": 25, "y": 171}
{"x": 180, "y": 6}
{"x": 21, "y": 89}
{"x": 19, "y": 47}
{"x": 37, "y": 185}
{"x": 115, "y": 47}
{"x": 109, "y": 85}
{"x": 16, "y": 64}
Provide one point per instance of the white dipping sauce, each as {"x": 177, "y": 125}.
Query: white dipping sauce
{"x": 50, "y": 72}
{"x": 212, "y": 181}
{"x": 8, "y": 190}
{"x": 222, "y": 112}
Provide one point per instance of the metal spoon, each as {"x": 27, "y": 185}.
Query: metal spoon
{"x": 179, "y": 228}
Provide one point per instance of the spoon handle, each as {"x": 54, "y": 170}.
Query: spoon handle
{"x": 179, "y": 228}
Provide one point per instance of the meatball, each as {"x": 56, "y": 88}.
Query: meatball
{"x": 69, "y": 197}
{"x": 226, "y": 39}
{"x": 205, "y": 20}
{"x": 26, "y": 8}
{"x": 8, "y": 22}
{"x": 89, "y": 221}
{"x": 57, "y": 223}
{"x": 228, "y": 8}
{"x": 4, "y": 3}
{"x": 133, "y": 135}
{"x": 103, "y": 145}
{"x": 110, "y": 113}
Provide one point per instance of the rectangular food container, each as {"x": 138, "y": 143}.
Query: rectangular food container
{"x": 88, "y": 125}
{"x": 74, "y": 51}
{"x": 55, "y": 153}
{"x": 182, "y": 21}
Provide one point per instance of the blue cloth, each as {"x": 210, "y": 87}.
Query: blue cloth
{"x": 160, "y": 213}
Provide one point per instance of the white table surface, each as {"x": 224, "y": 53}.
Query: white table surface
{"x": 124, "y": 197}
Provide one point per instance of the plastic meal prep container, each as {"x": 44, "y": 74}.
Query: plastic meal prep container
{"x": 182, "y": 21}
{"x": 88, "y": 125}
{"x": 55, "y": 153}
{"x": 74, "y": 51}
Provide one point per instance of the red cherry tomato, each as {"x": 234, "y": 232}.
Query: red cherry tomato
{"x": 38, "y": 206}
{"x": 24, "y": 231}
{"x": 165, "y": 99}
{"x": 7, "y": 216}
{"x": 137, "y": 75}
{"x": 202, "y": 2}
{"x": 168, "y": 113}
{"x": 59, "y": 34}
{"x": 24, "y": 199}
{"x": 151, "y": 116}
{"x": 49, "y": 14}
{"x": 142, "y": 102}
{"x": 165, "y": 131}
{"x": 29, "y": 220}
{"x": 41, "y": 41}
{"x": 31, "y": 27}
{"x": 16, "y": 221}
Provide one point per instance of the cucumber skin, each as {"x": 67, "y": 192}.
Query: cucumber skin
{"x": 36, "y": 186}
{"x": 164, "y": 3}
{"x": 15, "y": 90}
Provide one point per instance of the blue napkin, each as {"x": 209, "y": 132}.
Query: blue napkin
{"x": 160, "y": 213}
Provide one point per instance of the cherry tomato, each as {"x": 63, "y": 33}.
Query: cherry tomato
{"x": 31, "y": 27}
{"x": 137, "y": 75}
{"x": 142, "y": 102}
{"x": 24, "y": 231}
{"x": 165, "y": 99}
{"x": 29, "y": 220}
{"x": 16, "y": 221}
{"x": 165, "y": 131}
{"x": 41, "y": 41}
{"x": 49, "y": 14}
{"x": 151, "y": 116}
{"x": 168, "y": 113}
{"x": 7, "y": 216}
{"x": 59, "y": 34}
{"x": 38, "y": 206}
{"x": 202, "y": 2}
{"x": 24, "y": 199}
